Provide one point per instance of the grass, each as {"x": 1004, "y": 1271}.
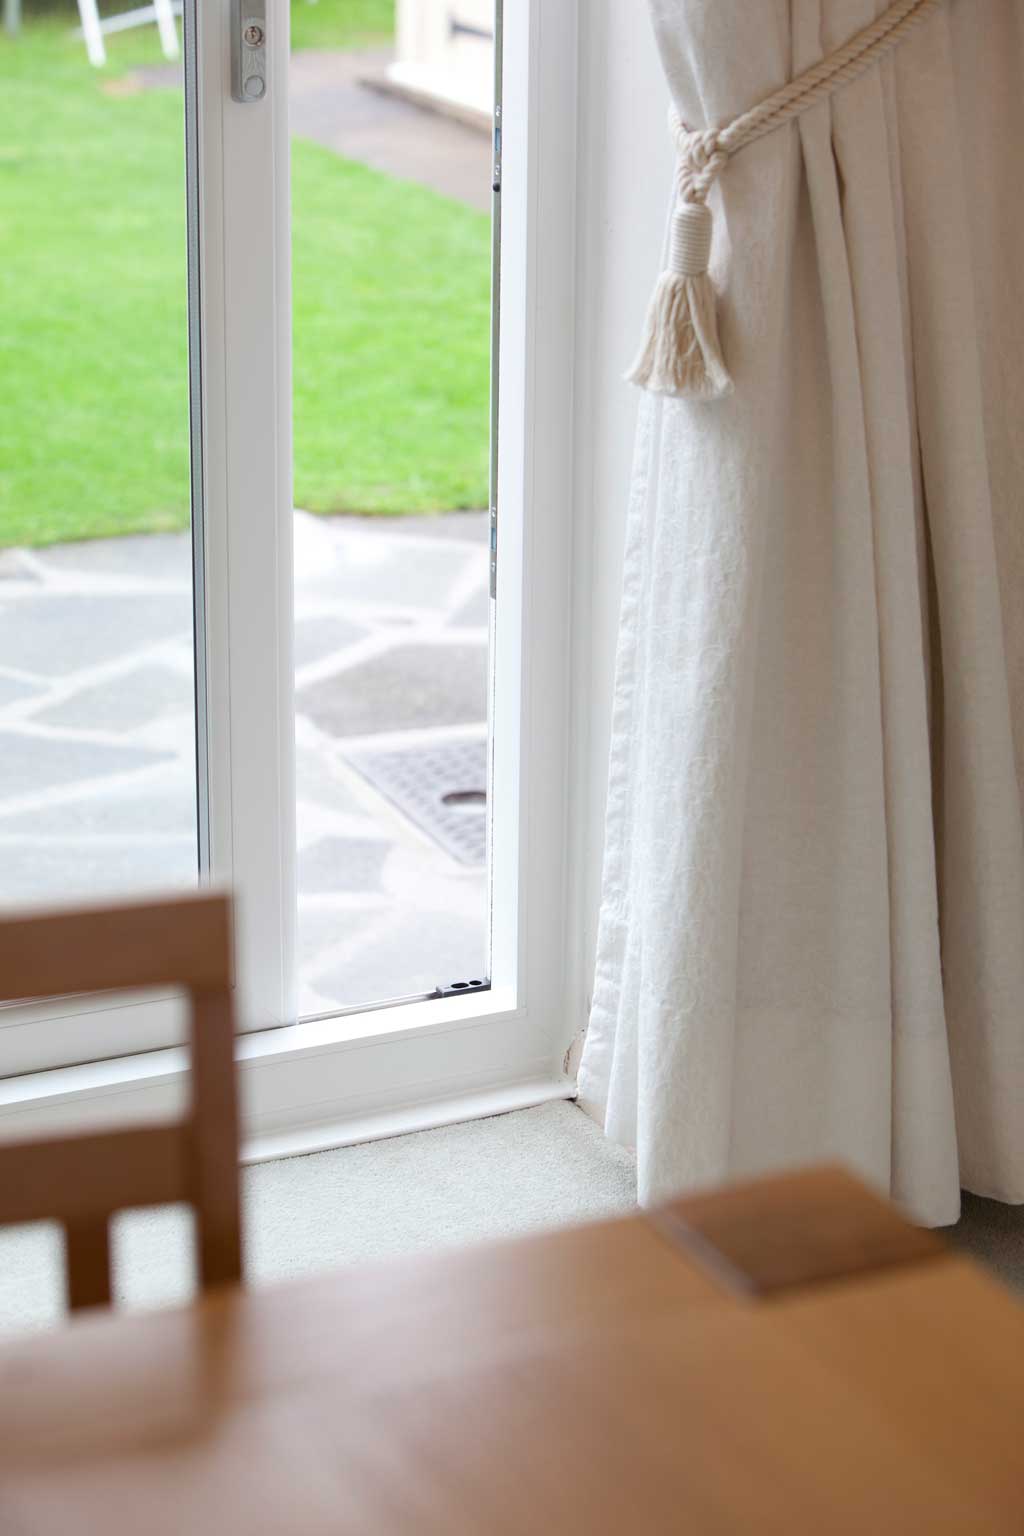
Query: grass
{"x": 341, "y": 23}
{"x": 390, "y": 310}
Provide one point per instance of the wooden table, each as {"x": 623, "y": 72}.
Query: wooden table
{"x": 785, "y": 1358}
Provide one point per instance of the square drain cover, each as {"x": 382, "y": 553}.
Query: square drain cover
{"x": 441, "y": 787}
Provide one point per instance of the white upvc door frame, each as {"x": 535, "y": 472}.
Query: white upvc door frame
{"x": 240, "y": 394}
{"x": 245, "y": 265}
{"x": 322, "y": 1082}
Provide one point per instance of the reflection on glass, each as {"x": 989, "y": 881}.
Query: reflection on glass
{"x": 97, "y": 771}
{"x": 391, "y": 193}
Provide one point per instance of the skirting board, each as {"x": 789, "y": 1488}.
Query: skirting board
{"x": 294, "y": 1118}
{"x": 407, "y": 1118}
{"x": 321, "y": 1083}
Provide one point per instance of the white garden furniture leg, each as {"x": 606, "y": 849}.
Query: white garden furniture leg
{"x": 93, "y": 29}
{"x": 92, "y": 32}
{"x": 168, "y": 31}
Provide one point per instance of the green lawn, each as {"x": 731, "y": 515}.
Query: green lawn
{"x": 390, "y": 319}
{"x": 341, "y": 23}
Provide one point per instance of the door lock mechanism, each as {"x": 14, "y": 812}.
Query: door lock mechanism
{"x": 248, "y": 50}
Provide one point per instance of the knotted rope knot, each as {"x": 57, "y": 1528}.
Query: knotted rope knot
{"x": 700, "y": 156}
{"x": 680, "y": 354}
{"x": 699, "y": 159}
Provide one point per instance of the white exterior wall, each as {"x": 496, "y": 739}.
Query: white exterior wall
{"x": 441, "y": 56}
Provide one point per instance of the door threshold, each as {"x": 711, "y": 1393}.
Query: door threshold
{"x": 332, "y": 1082}
{"x": 406, "y": 1119}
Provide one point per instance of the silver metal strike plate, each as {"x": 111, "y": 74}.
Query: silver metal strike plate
{"x": 248, "y": 50}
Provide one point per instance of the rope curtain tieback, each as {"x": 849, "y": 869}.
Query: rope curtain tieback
{"x": 681, "y": 355}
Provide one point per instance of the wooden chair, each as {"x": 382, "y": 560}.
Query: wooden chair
{"x": 81, "y": 1180}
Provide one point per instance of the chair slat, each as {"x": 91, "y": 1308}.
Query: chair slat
{"x": 79, "y": 1178}
{"x": 87, "y": 1259}
{"x": 213, "y": 1141}
{"x": 183, "y": 942}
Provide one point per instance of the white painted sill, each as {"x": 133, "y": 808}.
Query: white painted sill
{"x": 318, "y": 1084}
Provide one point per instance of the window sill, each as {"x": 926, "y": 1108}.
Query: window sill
{"x": 322, "y": 1083}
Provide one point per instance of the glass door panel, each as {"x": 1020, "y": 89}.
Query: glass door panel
{"x": 97, "y": 658}
{"x": 391, "y": 111}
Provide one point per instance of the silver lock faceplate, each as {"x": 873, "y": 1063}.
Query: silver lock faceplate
{"x": 248, "y": 50}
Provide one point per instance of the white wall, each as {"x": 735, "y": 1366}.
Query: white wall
{"x": 622, "y": 199}
{"x": 452, "y": 68}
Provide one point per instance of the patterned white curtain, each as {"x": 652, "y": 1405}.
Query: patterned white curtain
{"x": 812, "y": 933}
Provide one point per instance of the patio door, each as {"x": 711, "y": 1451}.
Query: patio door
{"x": 380, "y": 660}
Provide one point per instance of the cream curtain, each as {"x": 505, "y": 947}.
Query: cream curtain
{"x": 812, "y": 933}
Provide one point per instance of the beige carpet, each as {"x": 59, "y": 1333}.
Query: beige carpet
{"x": 516, "y": 1173}
{"x": 993, "y": 1234}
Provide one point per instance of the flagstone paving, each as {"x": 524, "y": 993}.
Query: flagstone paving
{"x": 97, "y": 768}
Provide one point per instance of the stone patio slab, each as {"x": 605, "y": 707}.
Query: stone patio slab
{"x": 476, "y": 612}
{"x": 11, "y": 568}
{"x": 469, "y": 527}
{"x": 63, "y": 632}
{"x": 125, "y": 703}
{"x": 14, "y": 688}
{"x": 342, "y": 864}
{"x": 160, "y": 557}
{"x": 162, "y": 804}
{"x": 358, "y": 570}
{"x": 324, "y": 780}
{"x": 321, "y": 634}
{"x": 70, "y": 871}
{"x": 407, "y": 688}
{"x": 29, "y": 764}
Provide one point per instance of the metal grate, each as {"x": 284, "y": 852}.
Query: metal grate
{"x": 441, "y": 787}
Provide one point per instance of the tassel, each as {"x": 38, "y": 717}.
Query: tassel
{"x": 680, "y": 355}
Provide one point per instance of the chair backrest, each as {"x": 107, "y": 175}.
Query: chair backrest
{"x": 81, "y": 1180}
